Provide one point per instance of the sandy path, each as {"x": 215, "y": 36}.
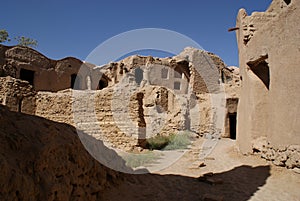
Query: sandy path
{"x": 236, "y": 177}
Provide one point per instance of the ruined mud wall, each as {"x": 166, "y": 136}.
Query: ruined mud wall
{"x": 55, "y": 106}
{"x": 105, "y": 115}
{"x": 45, "y": 74}
{"x": 45, "y": 160}
{"x": 154, "y": 104}
{"x": 17, "y": 95}
{"x": 172, "y": 73}
{"x": 269, "y": 66}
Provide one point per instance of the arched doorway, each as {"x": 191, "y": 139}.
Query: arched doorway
{"x": 75, "y": 81}
{"x": 102, "y": 83}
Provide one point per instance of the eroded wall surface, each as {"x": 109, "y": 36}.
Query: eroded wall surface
{"x": 44, "y": 74}
{"x": 17, "y": 95}
{"x": 125, "y": 101}
{"x": 269, "y": 47}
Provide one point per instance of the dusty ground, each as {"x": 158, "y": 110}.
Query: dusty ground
{"x": 235, "y": 177}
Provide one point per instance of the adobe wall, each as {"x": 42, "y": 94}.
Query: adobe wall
{"x": 152, "y": 100}
{"x": 171, "y": 73}
{"x": 17, "y": 95}
{"x": 49, "y": 75}
{"x": 107, "y": 116}
{"x": 268, "y": 45}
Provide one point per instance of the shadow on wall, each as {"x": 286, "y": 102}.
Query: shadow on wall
{"x": 45, "y": 160}
{"x": 238, "y": 184}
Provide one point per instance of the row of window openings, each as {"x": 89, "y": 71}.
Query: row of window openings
{"x": 165, "y": 74}
{"x": 28, "y": 75}
{"x": 76, "y": 82}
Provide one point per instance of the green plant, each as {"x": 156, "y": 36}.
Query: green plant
{"x": 179, "y": 141}
{"x": 137, "y": 160}
{"x": 21, "y": 40}
{"x": 27, "y": 42}
{"x": 157, "y": 142}
{"x": 171, "y": 142}
{"x": 4, "y": 36}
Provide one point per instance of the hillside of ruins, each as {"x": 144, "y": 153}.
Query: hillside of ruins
{"x": 68, "y": 127}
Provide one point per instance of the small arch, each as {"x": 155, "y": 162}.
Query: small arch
{"x": 102, "y": 84}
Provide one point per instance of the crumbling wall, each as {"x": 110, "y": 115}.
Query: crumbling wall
{"x": 164, "y": 111}
{"x": 172, "y": 73}
{"x": 48, "y": 74}
{"x": 45, "y": 160}
{"x": 17, "y": 95}
{"x": 125, "y": 101}
{"x": 283, "y": 155}
{"x": 269, "y": 109}
{"x": 55, "y": 106}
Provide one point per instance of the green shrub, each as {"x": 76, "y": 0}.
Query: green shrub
{"x": 171, "y": 142}
{"x": 157, "y": 142}
{"x": 137, "y": 160}
{"x": 179, "y": 141}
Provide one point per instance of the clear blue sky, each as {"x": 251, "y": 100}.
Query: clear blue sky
{"x": 75, "y": 28}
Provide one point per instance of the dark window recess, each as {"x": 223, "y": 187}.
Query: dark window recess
{"x": 138, "y": 74}
{"x": 102, "y": 84}
{"x": 75, "y": 81}
{"x": 20, "y": 105}
{"x": 164, "y": 73}
{"x": 261, "y": 70}
{"x": 27, "y": 75}
{"x": 287, "y": 2}
{"x": 232, "y": 125}
{"x": 177, "y": 85}
{"x": 222, "y": 77}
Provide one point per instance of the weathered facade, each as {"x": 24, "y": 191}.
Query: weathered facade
{"x": 42, "y": 73}
{"x": 269, "y": 48}
{"x": 135, "y": 98}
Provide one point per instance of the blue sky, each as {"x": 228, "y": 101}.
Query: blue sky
{"x": 75, "y": 28}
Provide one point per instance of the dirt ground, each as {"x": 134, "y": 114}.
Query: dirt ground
{"x": 231, "y": 176}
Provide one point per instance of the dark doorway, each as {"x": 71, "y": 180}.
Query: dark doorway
{"x": 232, "y": 125}
{"x": 75, "y": 81}
{"x": 102, "y": 84}
{"x": 138, "y": 74}
{"x": 20, "y": 104}
{"x": 27, "y": 75}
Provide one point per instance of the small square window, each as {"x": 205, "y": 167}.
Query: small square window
{"x": 177, "y": 85}
{"x": 164, "y": 73}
